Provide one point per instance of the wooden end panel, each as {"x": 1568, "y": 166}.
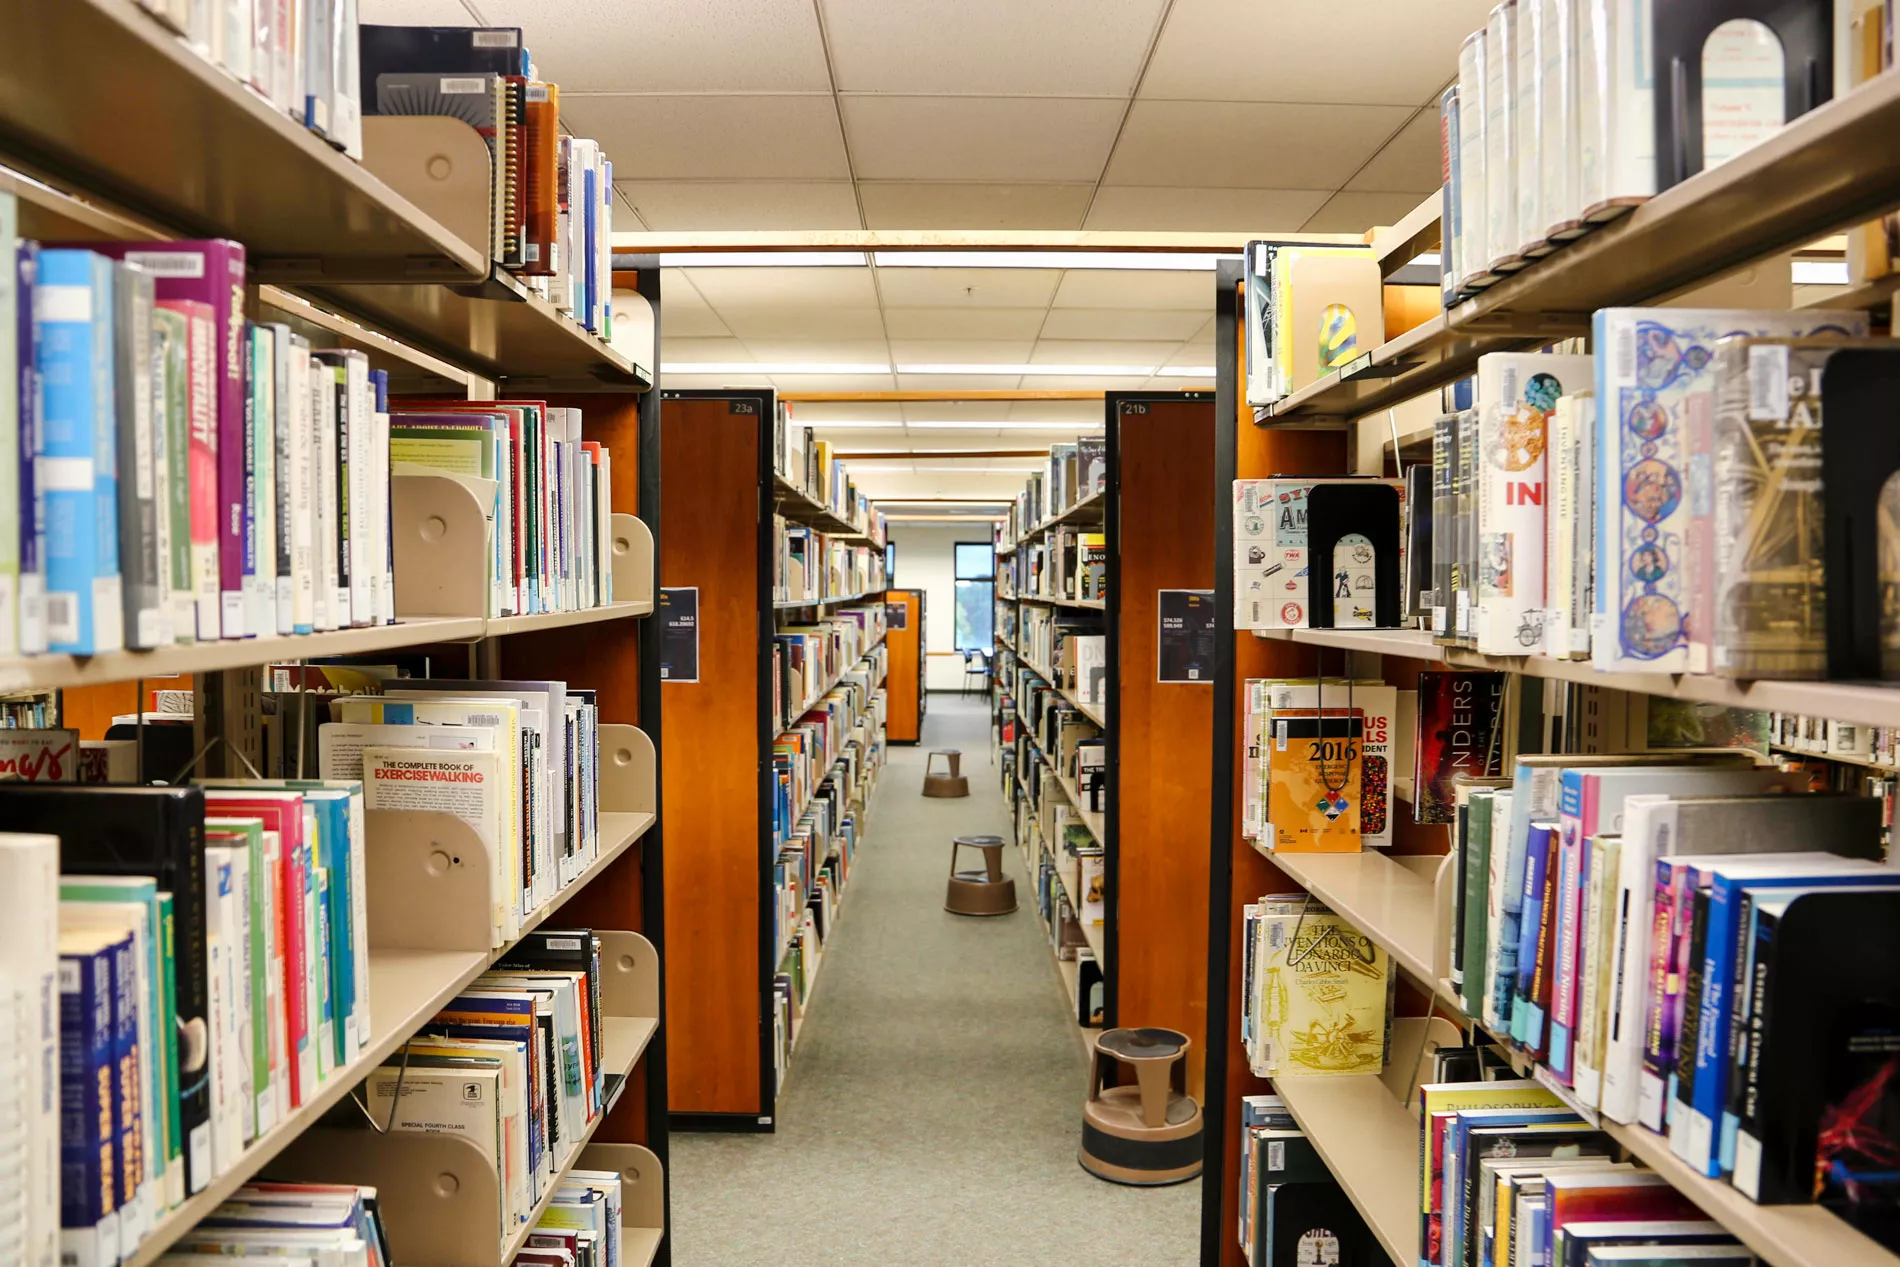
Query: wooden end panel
{"x": 709, "y": 537}
{"x": 1166, "y": 512}
{"x": 903, "y": 721}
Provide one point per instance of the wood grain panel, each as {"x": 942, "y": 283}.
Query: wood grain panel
{"x": 709, "y": 534}
{"x": 1165, "y": 540}
{"x": 903, "y": 721}
{"x": 1259, "y": 453}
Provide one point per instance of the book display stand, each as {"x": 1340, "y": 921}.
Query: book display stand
{"x": 386, "y": 256}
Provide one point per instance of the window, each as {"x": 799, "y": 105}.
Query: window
{"x": 890, "y": 563}
{"x": 976, "y": 595}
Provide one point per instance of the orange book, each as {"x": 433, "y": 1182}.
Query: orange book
{"x": 1313, "y": 773}
{"x": 541, "y": 203}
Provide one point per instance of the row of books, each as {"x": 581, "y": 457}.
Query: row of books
{"x": 1509, "y": 1174}
{"x": 1048, "y": 637}
{"x": 807, "y": 658}
{"x": 551, "y": 194}
{"x": 1555, "y": 125}
{"x": 1074, "y": 473}
{"x": 1320, "y": 761}
{"x": 1316, "y": 994}
{"x": 301, "y": 57}
{"x": 1290, "y": 1204}
{"x": 1683, "y": 533}
{"x": 810, "y": 465}
{"x": 1069, "y": 563}
{"x": 1688, "y": 942}
{"x": 290, "y": 1225}
{"x": 809, "y": 565}
{"x": 1064, "y": 838}
{"x": 210, "y": 951}
{"x": 546, "y": 490}
{"x": 513, "y": 1065}
{"x": 1290, "y": 530}
{"x": 1309, "y": 310}
{"x": 848, "y": 720}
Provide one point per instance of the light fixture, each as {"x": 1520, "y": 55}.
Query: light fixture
{"x": 1018, "y": 371}
{"x": 988, "y": 470}
{"x": 1146, "y": 261}
{"x": 763, "y": 259}
{"x": 1087, "y": 425}
{"x": 1820, "y": 272}
{"x": 768, "y": 367}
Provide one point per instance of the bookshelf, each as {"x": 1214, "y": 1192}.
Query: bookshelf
{"x": 1366, "y": 1128}
{"x": 731, "y": 1036}
{"x": 346, "y": 253}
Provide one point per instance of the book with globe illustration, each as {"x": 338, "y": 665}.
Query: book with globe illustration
{"x": 1315, "y": 765}
{"x": 1321, "y": 993}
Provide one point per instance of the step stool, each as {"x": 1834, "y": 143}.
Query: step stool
{"x": 1148, "y": 1134}
{"x": 985, "y": 892}
{"x": 951, "y": 784}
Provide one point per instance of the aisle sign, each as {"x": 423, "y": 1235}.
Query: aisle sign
{"x": 679, "y": 634}
{"x": 1185, "y": 648}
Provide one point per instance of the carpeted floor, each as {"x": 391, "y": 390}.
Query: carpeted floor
{"x": 934, "y": 1102}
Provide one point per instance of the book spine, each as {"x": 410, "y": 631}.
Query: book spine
{"x": 88, "y": 1138}
{"x": 1593, "y": 985}
{"x": 257, "y": 423}
{"x": 260, "y": 881}
{"x": 29, "y": 946}
{"x": 200, "y": 489}
{"x": 324, "y": 542}
{"x": 1741, "y": 1015}
{"x": 10, "y": 425}
{"x": 381, "y": 545}
{"x": 1583, "y": 528}
{"x": 175, "y": 1179}
{"x": 31, "y": 512}
{"x": 323, "y": 973}
{"x": 278, "y": 986}
{"x": 225, "y": 261}
{"x": 284, "y": 440}
{"x": 1578, "y": 809}
{"x": 359, "y": 914}
{"x": 1529, "y": 938}
{"x": 137, "y": 485}
{"x": 305, "y": 420}
{"x": 1749, "y": 1150}
{"x": 364, "y": 532}
{"x": 1688, "y": 1009}
{"x": 128, "y": 1087}
{"x": 298, "y": 1040}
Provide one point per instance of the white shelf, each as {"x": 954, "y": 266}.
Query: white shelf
{"x": 1089, "y": 711}
{"x": 1380, "y": 896}
{"x": 561, "y": 620}
{"x": 1369, "y": 1140}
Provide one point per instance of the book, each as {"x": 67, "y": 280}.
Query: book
{"x": 1315, "y": 781}
{"x": 1438, "y": 1104}
{"x": 31, "y": 1044}
{"x": 31, "y": 508}
{"x": 15, "y": 330}
{"x": 467, "y": 784}
{"x": 39, "y": 755}
{"x": 77, "y": 464}
{"x": 1581, "y": 1237}
{"x": 1316, "y": 1222}
{"x": 89, "y": 1090}
{"x": 1324, "y": 986}
{"x": 143, "y": 619}
{"x": 1459, "y": 731}
{"x": 171, "y": 467}
{"x": 1377, "y": 705}
{"x": 201, "y": 389}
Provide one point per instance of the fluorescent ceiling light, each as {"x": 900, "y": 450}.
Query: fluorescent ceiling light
{"x": 991, "y": 470}
{"x": 1424, "y": 259}
{"x": 763, "y": 259}
{"x": 769, "y": 367}
{"x": 1185, "y": 371}
{"x": 1155, "y": 261}
{"x": 1017, "y": 371}
{"x": 1820, "y": 272}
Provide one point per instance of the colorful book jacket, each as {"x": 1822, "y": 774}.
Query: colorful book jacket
{"x": 1655, "y": 396}
{"x": 1459, "y": 732}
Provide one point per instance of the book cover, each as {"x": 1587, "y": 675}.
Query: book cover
{"x": 30, "y": 949}
{"x": 1377, "y": 705}
{"x": 39, "y": 756}
{"x": 1655, "y": 393}
{"x": 466, "y": 784}
{"x": 171, "y": 469}
{"x": 78, "y": 462}
{"x": 1317, "y": 1223}
{"x": 1459, "y": 731}
{"x": 201, "y": 462}
{"x": 1314, "y": 781}
{"x": 1324, "y": 987}
{"x": 88, "y": 1099}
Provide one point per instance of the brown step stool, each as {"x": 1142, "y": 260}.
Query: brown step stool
{"x": 985, "y": 892}
{"x": 1148, "y": 1134}
{"x": 951, "y": 784}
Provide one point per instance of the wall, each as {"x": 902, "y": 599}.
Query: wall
{"x": 926, "y": 560}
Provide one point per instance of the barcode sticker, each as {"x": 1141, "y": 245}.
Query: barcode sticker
{"x": 538, "y": 92}
{"x": 1626, "y": 353}
{"x": 1276, "y": 936}
{"x": 501, "y": 37}
{"x": 1276, "y": 1154}
{"x": 1279, "y": 736}
{"x": 458, "y": 86}
{"x": 1768, "y": 383}
{"x": 175, "y": 264}
{"x": 62, "y": 616}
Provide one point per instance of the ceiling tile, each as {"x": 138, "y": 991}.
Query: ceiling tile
{"x": 774, "y": 287}
{"x": 713, "y": 137}
{"x": 1074, "y": 412}
{"x": 810, "y": 412}
{"x": 1410, "y": 162}
{"x": 681, "y": 351}
{"x": 1248, "y": 145}
{"x": 686, "y": 382}
{"x": 690, "y": 323}
{"x": 990, "y": 46}
{"x": 800, "y": 321}
{"x": 955, "y": 382}
{"x": 414, "y": 13}
{"x": 962, "y": 323}
{"x": 997, "y": 139}
{"x": 835, "y": 382}
{"x": 678, "y": 205}
{"x": 1101, "y": 352}
{"x": 916, "y": 205}
{"x": 705, "y": 46}
{"x": 1350, "y": 212}
{"x": 1310, "y": 50}
{"x": 1243, "y": 211}
{"x": 965, "y": 287}
{"x": 820, "y": 351}
{"x": 956, "y": 411}
{"x": 1128, "y": 288}
{"x": 1121, "y": 323}
{"x": 961, "y": 351}
{"x": 1088, "y": 383}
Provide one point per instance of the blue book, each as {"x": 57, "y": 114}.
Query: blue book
{"x": 89, "y": 1098}
{"x": 326, "y": 966}
{"x": 1527, "y": 1016}
{"x": 78, "y": 462}
{"x": 127, "y": 1082}
{"x": 333, "y": 844}
{"x": 1460, "y": 1201}
{"x": 1695, "y": 1132}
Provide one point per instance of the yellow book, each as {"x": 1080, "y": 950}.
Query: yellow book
{"x": 1313, "y": 781}
{"x": 1323, "y": 988}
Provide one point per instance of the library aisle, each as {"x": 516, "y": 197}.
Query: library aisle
{"x": 937, "y": 1096}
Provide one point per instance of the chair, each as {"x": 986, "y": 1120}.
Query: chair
{"x": 985, "y": 892}
{"x": 976, "y": 664}
{"x": 1148, "y": 1134}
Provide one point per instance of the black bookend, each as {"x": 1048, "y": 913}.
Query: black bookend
{"x": 1682, "y": 27}
{"x": 1371, "y": 510}
{"x": 1860, "y": 452}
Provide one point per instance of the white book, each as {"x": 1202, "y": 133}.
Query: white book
{"x": 382, "y": 579}
{"x": 1473, "y": 248}
{"x": 1527, "y": 128}
{"x": 276, "y": 1001}
{"x": 222, "y": 1058}
{"x": 1516, "y": 393}
{"x": 468, "y": 784}
{"x": 360, "y": 401}
{"x": 1616, "y": 114}
{"x": 1500, "y": 136}
{"x": 303, "y": 490}
{"x": 285, "y": 383}
{"x": 604, "y": 542}
{"x": 330, "y": 607}
{"x": 340, "y": 745}
{"x": 1557, "y": 119}
{"x": 261, "y": 384}
{"x": 235, "y": 37}
{"x": 29, "y": 1005}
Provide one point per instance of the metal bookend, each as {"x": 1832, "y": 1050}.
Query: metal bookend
{"x": 440, "y": 164}
{"x": 633, "y": 560}
{"x": 1413, "y": 1039}
{"x": 626, "y": 770}
{"x": 430, "y": 880}
{"x": 1444, "y": 884}
{"x": 642, "y": 1182}
{"x": 440, "y": 1197}
{"x": 442, "y": 547}
{"x": 629, "y": 975}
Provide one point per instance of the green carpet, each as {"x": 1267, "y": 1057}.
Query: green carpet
{"x": 934, "y": 1102}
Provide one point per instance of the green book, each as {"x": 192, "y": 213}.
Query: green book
{"x": 168, "y": 1015}
{"x": 170, "y": 349}
{"x": 1476, "y": 871}
{"x": 249, "y": 832}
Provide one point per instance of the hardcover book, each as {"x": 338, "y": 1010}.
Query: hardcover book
{"x": 1459, "y": 731}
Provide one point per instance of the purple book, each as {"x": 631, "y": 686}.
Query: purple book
{"x": 211, "y": 271}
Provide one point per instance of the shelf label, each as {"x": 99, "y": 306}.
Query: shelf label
{"x": 679, "y": 634}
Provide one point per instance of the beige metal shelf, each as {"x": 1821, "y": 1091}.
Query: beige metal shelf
{"x": 1369, "y": 1140}
{"x": 499, "y": 625}
{"x": 800, "y": 604}
{"x": 1087, "y": 710}
{"x": 1089, "y": 510}
{"x": 1079, "y": 604}
{"x": 800, "y": 508}
{"x": 1383, "y": 897}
